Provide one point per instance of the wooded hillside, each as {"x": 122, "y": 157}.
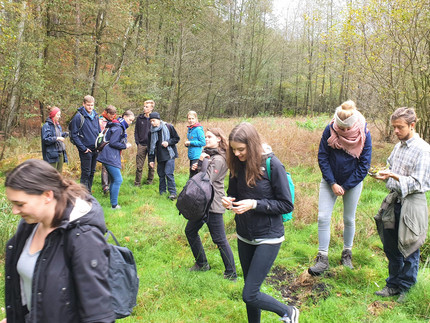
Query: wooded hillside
{"x": 218, "y": 57}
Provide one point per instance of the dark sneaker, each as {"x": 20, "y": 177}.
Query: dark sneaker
{"x": 197, "y": 267}
{"x": 346, "y": 259}
{"x": 173, "y": 197}
{"x": 387, "y": 292}
{"x": 148, "y": 182}
{"x": 292, "y": 315}
{"x": 232, "y": 277}
{"x": 402, "y": 297}
{"x": 106, "y": 191}
{"x": 321, "y": 265}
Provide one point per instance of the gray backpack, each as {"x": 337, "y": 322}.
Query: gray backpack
{"x": 81, "y": 123}
{"x": 196, "y": 197}
{"x": 123, "y": 279}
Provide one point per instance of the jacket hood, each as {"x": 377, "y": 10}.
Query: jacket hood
{"x": 267, "y": 150}
{"x": 84, "y": 112}
{"x": 49, "y": 120}
{"x": 84, "y": 212}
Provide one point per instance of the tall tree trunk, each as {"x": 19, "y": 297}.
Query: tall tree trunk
{"x": 99, "y": 28}
{"x": 211, "y": 76}
{"x": 178, "y": 78}
{"x": 76, "y": 49}
{"x": 14, "y": 96}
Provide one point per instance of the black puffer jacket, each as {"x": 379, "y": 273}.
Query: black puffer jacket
{"x": 58, "y": 293}
{"x": 273, "y": 199}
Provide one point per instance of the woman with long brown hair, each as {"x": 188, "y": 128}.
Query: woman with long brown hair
{"x": 57, "y": 261}
{"x": 258, "y": 203}
{"x": 215, "y": 150}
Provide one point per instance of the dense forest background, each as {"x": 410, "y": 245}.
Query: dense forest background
{"x": 218, "y": 57}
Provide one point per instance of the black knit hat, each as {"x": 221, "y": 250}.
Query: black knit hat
{"x": 154, "y": 115}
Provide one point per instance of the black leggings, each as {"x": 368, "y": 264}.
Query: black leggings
{"x": 256, "y": 261}
{"x": 215, "y": 224}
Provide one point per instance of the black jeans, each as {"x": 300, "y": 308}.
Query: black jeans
{"x": 88, "y": 168}
{"x": 215, "y": 224}
{"x": 256, "y": 261}
{"x": 195, "y": 171}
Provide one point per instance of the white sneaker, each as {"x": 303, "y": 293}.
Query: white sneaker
{"x": 292, "y": 315}
{"x": 116, "y": 207}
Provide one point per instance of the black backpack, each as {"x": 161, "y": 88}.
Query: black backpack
{"x": 80, "y": 125}
{"x": 196, "y": 197}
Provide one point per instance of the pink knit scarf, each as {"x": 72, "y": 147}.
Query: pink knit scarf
{"x": 351, "y": 140}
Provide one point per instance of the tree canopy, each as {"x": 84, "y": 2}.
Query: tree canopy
{"x": 218, "y": 57}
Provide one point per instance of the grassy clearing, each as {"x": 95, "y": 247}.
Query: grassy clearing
{"x": 151, "y": 227}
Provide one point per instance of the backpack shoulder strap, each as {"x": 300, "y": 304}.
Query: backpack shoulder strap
{"x": 82, "y": 119}
{"x": 268, "y": 168}
{"x": 205, "y": 164}
{"x": 110, "y": 233}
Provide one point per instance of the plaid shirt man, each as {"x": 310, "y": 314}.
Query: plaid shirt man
{"x": 410, "y": 159}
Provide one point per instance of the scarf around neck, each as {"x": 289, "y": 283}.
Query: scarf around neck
{"x": 351, "y": 140}
{"x": 197, "y": 124}
{"x": 108, "y": 116}
{"x": 165, "y": 136}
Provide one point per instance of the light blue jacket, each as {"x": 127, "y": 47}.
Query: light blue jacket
{"x": 196, "y": 137}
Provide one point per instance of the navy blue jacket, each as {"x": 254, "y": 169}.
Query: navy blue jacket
{"x": 80, "y": 295}
{"x": 337, "y": 166}
{"x": 111, "y": 153}
{"x": 141, "y": 130}
{"x": 161, "y": 152}
{"x": 273, "y": 199}
{"x": 51, "y": 147}
{"x": 86, "y": 136}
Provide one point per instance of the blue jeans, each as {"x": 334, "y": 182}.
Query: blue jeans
{"x": 165, "y": 170}
{"x": 402, "y": 272}
{"x": 115, "y": 183}
{"x": 88, "y": 168}
{"x": 215, "y": 224}
{"x": 326, "y": 203}
{"x": 256, "y": 261}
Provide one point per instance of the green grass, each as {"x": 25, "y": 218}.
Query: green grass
{"x": 150, "y": 226}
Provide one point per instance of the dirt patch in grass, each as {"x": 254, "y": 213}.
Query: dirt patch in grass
{"x": 377, "y": 307}
{"x": 296, "y": 289}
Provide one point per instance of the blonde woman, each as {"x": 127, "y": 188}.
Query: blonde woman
{"x": 344, "y": 159}
{"x": 195, "y": 140}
